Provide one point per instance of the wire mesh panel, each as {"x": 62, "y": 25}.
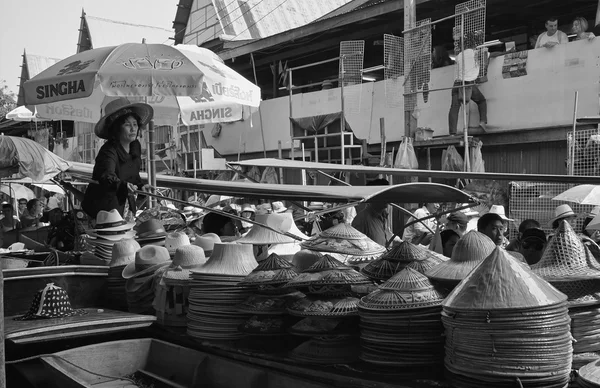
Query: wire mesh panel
{"x": 417, "y": 63}
{"x": 393, "y": 62}
{"x": 586, "y": 152}
{"x": 473, "y": 30}
{"x": 352, "y": 54}
{"x": 533, "y": 200}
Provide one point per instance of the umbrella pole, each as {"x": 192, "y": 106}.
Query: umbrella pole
{"x": 152, "y": 164}
{"x": 2, "y": 335}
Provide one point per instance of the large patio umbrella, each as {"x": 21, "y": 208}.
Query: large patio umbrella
{"x": 581, "y": 194}
{"x": 183, "y": 80}
{"x": 17, "y": 191}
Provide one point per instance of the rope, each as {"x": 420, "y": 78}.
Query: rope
{"x": 72, "y": 364}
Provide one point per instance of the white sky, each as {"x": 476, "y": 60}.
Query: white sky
{"x": 51, "y": 27}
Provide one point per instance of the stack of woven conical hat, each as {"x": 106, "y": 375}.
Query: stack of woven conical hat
{"x": 272, "y": 272}
{"x": 504, "y": 324}
{"x": 401, "y": 323}
{"x": 399, "y": 257}
{"x": 283, "y": 222}
{"x": 343, "y": 238}
{"x": 570, "y": 267}
{"x": 327, "y": 272}
{"x": 468, "y": 253}
{"x": 214, "y": 294}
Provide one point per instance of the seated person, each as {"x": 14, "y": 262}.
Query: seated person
{"x": 9, "y": 220}
{"x": 580, "y": 26}
{"x": 492, "y": 225}
{"x": 553, "y": 36}
{"x": 33, "y": 214}
{"x": 515, "y": 244}
{"x": 457, "y": 222}
{"x": 421, "y": 232}
{"x": 449, "y": 240}
{"x": 533, "y": 243}
{"x": 219, "y": 225}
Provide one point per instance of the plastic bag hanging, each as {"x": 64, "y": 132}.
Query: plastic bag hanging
{"x": 406, "y": 158}
{"x": 451, "y": 160}
{"x": 476, "y": 157}
{"x": 269, "y": 175}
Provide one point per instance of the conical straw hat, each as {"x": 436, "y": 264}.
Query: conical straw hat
{"x": 398, "y": 258}
{"x": 468, "y": 252}
{"x": 273, "y": 270}
{"x": 328, "y": 271}
{"x": 408, "y": 289}
{"x": 304, "y": 258}
{"x": 502, "y": 283}
{"x": 566, "y": 258}
{"x": 263, "y": 236}
{"x": 343, "y": 238}
{"x": 229, "y": 259}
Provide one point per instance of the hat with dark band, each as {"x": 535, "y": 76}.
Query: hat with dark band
{"x": 119, "y": 108}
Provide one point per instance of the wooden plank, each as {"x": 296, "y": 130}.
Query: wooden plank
{"x": 94, "y": 322}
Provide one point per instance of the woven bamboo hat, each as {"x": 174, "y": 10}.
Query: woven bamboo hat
{"x": 343, "y": 238}
{"x": 186, "y": 259}
{"x": 229, "y": 259}
{"x": 408, "y": 289}
{"x": 468, "y": 253}
{"x": 311, "y": 306}
{"x": 176, "y": 240}
{"x": 502, "y": 283}
{"x": 263, "y": 236}
{"x": 397, "y": 258}
{"x": 123, "y": 252}
{"x": 304, "y": 258}
{"x": 273, "y": 271}
{"x": 328, "y": 271}
{"x": 207, "y": 242}
{"x": 566, "y": 258}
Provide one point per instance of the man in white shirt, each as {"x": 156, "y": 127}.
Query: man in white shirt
{"x": 421, "y": 232}
{"x": 467, "y": 69}
{"x": 553, "y": 36}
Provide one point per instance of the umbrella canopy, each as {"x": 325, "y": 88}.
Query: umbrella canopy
{"x": 28, "y": 159}
{"x": 582, "y": 194}
{"x": 21, "y": 113}
{"x": 17, "y": 191}
{"x": 176, "y": 80}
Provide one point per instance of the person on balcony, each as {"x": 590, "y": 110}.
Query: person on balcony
{"x": 440, "y": 57}
{"x": 580, "y": 27}
{"x": 553, "y": 36}
{"x": 467, "y": 70}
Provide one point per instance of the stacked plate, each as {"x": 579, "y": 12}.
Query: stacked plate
{"x": 270, "y": 297}
{"x": 328, "y": 284}
{"x": 569, "y": 266}
{"x": 506, "y": 327}
{"x": 344, "y": 239}
{"x": 399, "y": 257}
{"x": 215, "y": 294}
{"x": 401, "y": 324}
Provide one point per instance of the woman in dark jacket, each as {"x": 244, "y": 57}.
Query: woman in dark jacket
{"x": 117, "y": 167}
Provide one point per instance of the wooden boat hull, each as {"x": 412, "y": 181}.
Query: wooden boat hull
{"x": 170, "y": 365}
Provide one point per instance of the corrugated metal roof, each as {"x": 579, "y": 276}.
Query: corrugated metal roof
{"x": 105, "y": 32}
{"x": 255, "y": 19}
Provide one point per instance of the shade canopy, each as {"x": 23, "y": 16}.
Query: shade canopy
{"x": 28, "y": 159}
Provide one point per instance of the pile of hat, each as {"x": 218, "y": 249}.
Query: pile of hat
{"x": 468, "y": 253}
{"x": 506, "y": 327}
{"x": 173, "y": 286}
{"x": 214, "y": 294}
{"x": 268, "y": 241}
{"x": 175, "y": 240}
{"x": 399, "y": 257}
{"x": 151, "y": 232}
{"x": 123, "y": 253}
{"x": 269, "y": 299}
{"x": 110, "y": 227}
{"x": 169, "y": 217}
{"x": 570, "y": 267}
{"x": 141, "y": 282}
{"x": 357, "y": 248}
{"x": 400, "y": 323}
{"x": 333, "y": 290}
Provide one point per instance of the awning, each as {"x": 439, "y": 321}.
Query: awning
{"x": 408, "y": 192}
{"x": 299, "y": 165}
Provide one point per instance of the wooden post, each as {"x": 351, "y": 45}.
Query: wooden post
{"x": 429, "y": 161}
{"x": 280, "y": 154}
{"x": 383, "y": 141}
{"x": 410, "y": 21}
{"x": 2, "y": 336}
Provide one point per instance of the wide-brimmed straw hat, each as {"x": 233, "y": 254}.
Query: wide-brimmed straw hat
{"x": 283, "y": 222}
{"x": 150, "y": 230}
{"x": 123, "y": 252}
{"x": 186, "y": 259}
{"x": 279, "y": 207}
{"x": 207, "y": 242}
{"x": 229, "y": 259}
{"x": 468, "y": 253}
{"x": 147, "y": 260}
{"x": 469, "y": 212}
{"x": 566, "y": 258}
{"x": 176, "y": 240}
{"x": 499, "y": 210}
{"x": 119, "y": 108}
{"x": 562, "y": 211}
{"x": 502, "y": 283}
{"x": 111, "y": 221}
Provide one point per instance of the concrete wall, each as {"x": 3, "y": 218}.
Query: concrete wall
{"x": 542, "y": 98}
